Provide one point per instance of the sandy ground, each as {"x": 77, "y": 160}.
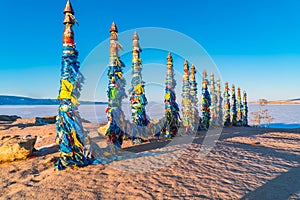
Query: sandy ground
{"x": 245, "y": 163}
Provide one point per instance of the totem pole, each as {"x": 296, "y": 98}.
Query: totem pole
{"x": 70, "y": 134}
{"x": 245, "y": 110}
{"x": 219, "y": 104}
{"x": 194, "y": 100}
{"x": 171, "y": 107}
{"x": 213, "y": 106}
{"x": 116, "y": 92}
{"x": 138, "y": 100}
{"x": 226, "y": 106}
{"x": 233, "y": 107}
{"x": 206, "y": 102}
{"x": 186, "y": 99}
{"x": 239, "y": 108}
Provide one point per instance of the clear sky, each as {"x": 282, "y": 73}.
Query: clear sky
{"x": 255, "y": 44}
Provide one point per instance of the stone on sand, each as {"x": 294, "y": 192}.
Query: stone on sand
{"x": 10, "y": 118}
{"x": 45, "y": 120}
{"x": 16, "y": 148}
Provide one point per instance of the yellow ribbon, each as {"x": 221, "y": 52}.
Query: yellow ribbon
{"x": 119, "y": 74}
{"x": 168, "y": 96}
{"x": 76, "y": 141}
{"x": 139, "y": 89}
{"x": 66, "y": 91}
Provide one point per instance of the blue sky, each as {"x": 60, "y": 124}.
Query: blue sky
{"x": 255, "y": 44}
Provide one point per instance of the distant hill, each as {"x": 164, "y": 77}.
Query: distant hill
{"x": 289, "y": 101}
{"x": 295, "y": 99}
{"x": 16, "y": 100}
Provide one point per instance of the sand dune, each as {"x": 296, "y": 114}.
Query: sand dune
{"x": 247, "y": 163}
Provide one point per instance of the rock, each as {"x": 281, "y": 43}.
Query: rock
{"x": 16, "y": 148}
{"x": 52, "y": 120}
{"x": 9, "y": 118}
{"x": 45, "y": 120}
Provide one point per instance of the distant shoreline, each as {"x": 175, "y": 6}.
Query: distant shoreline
{"x": 55, "y": 104}
{"x": 27, "y": 101}
{"x": 279, "y": 103}
{"x": 6, "y": 100}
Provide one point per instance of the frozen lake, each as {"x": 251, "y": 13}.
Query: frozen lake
{"x": 93, "y": 113}
{"x": 285, "y": 116}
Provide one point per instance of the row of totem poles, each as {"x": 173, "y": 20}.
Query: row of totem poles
{"x": 217, "y": 110}
{"x": 71, "y": 136}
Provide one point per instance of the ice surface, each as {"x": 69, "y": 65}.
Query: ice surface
{"x": 285, "y": 116}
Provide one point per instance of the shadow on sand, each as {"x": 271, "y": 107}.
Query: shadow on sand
{"x": 279, "y": 183}
{"x": 46, "y": 150}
